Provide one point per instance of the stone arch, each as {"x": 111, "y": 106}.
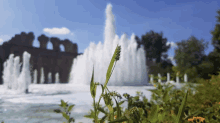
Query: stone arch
{"x": 15, "y": 40}
{"x": 43, "y": 41}
{"x": 30, "y": 39}
{"x": 37, "y": 44}
{"x": 69, "y": 46}
{"x": 62, "y": 48}
{"x": 27, "y": 39}
{"x": 56, "y": 42}
{"x": 49, "y": 45}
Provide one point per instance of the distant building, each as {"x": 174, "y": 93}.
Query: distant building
{"x": 51, "y": 60}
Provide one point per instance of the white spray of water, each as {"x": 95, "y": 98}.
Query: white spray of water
{"x": 24, "y": 79}
{"x": 12, "y": 78}
{"x": 7, "y": 72}
{"x": 16, "y": 72}
{"x": 57, "y": 80}
{"x": 42, "y": 78}
{"x": 129, "y": 70}
{"x": 49, "y": 77}
{"x": 35, "y": 76}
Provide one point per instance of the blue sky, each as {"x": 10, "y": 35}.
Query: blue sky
{"x": 83, "y": 21}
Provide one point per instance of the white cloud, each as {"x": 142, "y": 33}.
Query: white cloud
{"x": 172, "y": 60}
{"x": 58, "y": 31}
{"x": 1, "y": 41}
{"x": 4, "y": 38}
{"x": 173, "y": 44}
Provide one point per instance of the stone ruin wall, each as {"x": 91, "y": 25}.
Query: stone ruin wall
{"x": 51, "y": 60}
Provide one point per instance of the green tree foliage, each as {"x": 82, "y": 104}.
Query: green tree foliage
{"x": 214, "y": 56}
{"x": 216, "y": 34}
{"x": 190, "y": 52}
{"x": 189, "y": 55}
{"x": 154, "y": 44}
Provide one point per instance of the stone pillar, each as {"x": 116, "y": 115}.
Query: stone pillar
{"x": 56, "y": 43}
{"x": 53, "y": 77}
{"x": 46, "y": 71}
{"x": 49, "y": 77}
{"x": 43, "y": 41}
{"x": 57, "y": 80}
{"x": 23, "y": 38}
{"x": 42, "y": 76}
{"x": 75, "y": 48}
{"x": 35, "y": 76}
{"x": 159, "y": 80}
{"x": 151, "y": 78}
{"x": 168, "y": 77}
{"x": 177, "y": 77}
{"x": 61, "y": 75}
{"x": 185, "y": 78}
{"x": 30, "y": 39}
{"x": 39, "y": 69}
{"x": 54, "y": 71}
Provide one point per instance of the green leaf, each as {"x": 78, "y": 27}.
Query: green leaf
{"x": 102, "y": 110}
{"x": 181, "y": 109}
{"x": 154, "y": 114}
{"x": 110, "y": 108}
{"x": 70, "y": 108}
{"x": 71, "y": 120}
{"x": 63, "y": 104}
{"x": 57, "y": 110}
{"x": 118, "y": 109}
{"x": 103, "y": 119}
{"x": 161, "y": 116}
{"x": 65, "y": 115}
{"x": 156, "y": 92}
{"x": 88, "y": 116}
{"x": 92, "y": 85}
{"x": 121, "y": 119}
{"x": 127, "y": 114}
{"x": 120, "y": 103}
{"x": 108, "y": 74}
{"x": 102, "y": 88}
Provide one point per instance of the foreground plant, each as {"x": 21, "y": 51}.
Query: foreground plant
{"x": 132, "y": 114}
{"x": 137, "y": 111}
{"x": 66, "y": 113}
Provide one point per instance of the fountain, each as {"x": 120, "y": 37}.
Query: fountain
{"x": 49, "y": 77}
{"x": 42, "y": 76}
{"x": 57, "y": 80}
{"x": 130, "y": 69}
{"x": 131, "y": 66}
{"x": 35, "y": 76}
{"x": 16, "y": 72}
{"x": 8, "y": 69}
{"x": 12, "y": 78}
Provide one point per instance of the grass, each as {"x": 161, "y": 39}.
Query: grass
{"x": 166, "y": 105}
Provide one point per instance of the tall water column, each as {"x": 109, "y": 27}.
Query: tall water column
{"x": 129, "y": 70}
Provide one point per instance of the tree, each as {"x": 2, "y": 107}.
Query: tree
{"x": 190, "y": 52}
{"x": 166, "y": 63}
{"x": 154, "y": 45}
{"x": 214, "y": 56}
{"x": 216, "y": 34}
{"x": 188, "y": 55}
